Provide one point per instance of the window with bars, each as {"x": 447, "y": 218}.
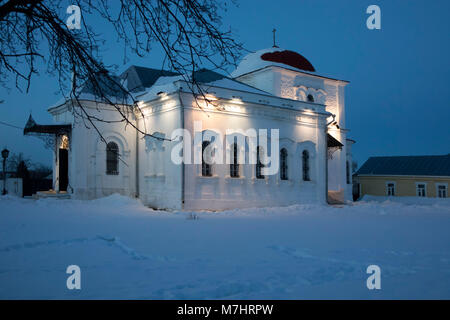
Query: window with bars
{"x": 112, "y": 158}
{"x": 234, "y": 165}
{"x": 206, "y": 167}
{"x": 283, "y": 164}
{"x": 305, "y": 165}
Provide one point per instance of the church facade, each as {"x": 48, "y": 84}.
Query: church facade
{"x": 272, "y": 90}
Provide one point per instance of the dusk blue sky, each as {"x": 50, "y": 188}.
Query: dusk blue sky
{"x": 397, "y": 102}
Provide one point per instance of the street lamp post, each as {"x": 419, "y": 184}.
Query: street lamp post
{"x": 5, "y": 154}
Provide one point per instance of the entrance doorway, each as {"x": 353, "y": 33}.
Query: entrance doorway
{"x": 63, "y": 169}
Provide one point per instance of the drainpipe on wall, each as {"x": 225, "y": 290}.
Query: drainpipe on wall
{"x": 182, "y": 163}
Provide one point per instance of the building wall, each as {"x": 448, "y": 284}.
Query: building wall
{"x": 405, "y": 185}
{"x": 297, "y": 86}
{"x": 348, "y": 180}
{"x": 160, "y": 179}
{"x": 264, "y": 80}
{"x": 302, "y": 126}
{"x": 87, "y": 153}
{"x": 296, "y": 134}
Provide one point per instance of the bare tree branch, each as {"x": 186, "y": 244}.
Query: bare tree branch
{"x": 189, "y": 32}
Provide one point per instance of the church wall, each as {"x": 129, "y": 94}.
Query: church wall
{"x": 296, "y": 85}
{"x": 263, "y": 80}
{"x": 337, "y": 178}
{"x": 160, "y": 179}
{"x": 87, "y": 163}
{"x": 224, "y": 192}
{"x": 349, "y": 158}
{"x": 336, "y": 164}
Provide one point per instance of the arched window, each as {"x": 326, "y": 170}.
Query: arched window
{"x": 283, "y": 164}
{"x": 305, "y": 165}
{"x": 112, "y": 158}
{"x": 259, "y": 164}
{"x": 234, "y": 165}
{"x": 206, "y": 167}
{"x": 347, "y": 168}
{"x": 310, "y": 98}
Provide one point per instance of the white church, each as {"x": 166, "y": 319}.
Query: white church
{"x": 271, "y": 89}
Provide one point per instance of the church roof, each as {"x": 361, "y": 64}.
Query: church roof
{"x": 219, "y": 80}
{"x": 407, "y": 166}
{"x": 32, "y": 127}
{"x": 289, "y": 58}
{"x": 273, "y": 57}
{"x": 138, "y": 78}
{"x": 146, "y": 83}
{"x": 110, "y": 86}
{"x": 202, "y": 76}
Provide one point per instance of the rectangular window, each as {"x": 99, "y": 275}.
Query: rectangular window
{"x": 234, "y": 166}
{"x": 347, "y": 170}
{"x": 206, "y": 166}
{"x": 390, "y": 189}
{"x": 442, "y": 191}
{"x": 421, "y": 190}
{"x": 259, "y": 164}
{"x": 112, "y": 158}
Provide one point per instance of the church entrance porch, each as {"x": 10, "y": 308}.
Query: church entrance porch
{"x": 334, "y": 196}
{"x": 56, "y": 138}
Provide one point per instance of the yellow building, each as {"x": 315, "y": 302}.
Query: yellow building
{"x": 421, "y": 176}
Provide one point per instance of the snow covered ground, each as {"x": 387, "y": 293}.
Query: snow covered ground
{"x": 126, "y": 250}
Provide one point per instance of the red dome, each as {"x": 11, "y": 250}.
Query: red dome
{"x": 289, "y": 58}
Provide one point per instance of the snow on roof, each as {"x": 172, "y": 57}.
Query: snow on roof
{"x": 273, "y": 56}
{"x": 145, "y": 83}
{"x": 204, "y": 77}
{"x": 138, "y": 78}
{"x": 106, "y": 89}
{"x": 162, "y": 84}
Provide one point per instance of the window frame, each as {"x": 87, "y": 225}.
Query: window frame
{"x": 259, "y": 164}
{"x": 394, "y": 188}
{"x": 418, "y": 191}
{"x": 284, "y": 164}
{"x": 306, "y": 167}
{"x": 206, "y": 167}
{"x": 445, "y": 185}
{"x": 112, "y": 162}
{"x": 234, "y": 165}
